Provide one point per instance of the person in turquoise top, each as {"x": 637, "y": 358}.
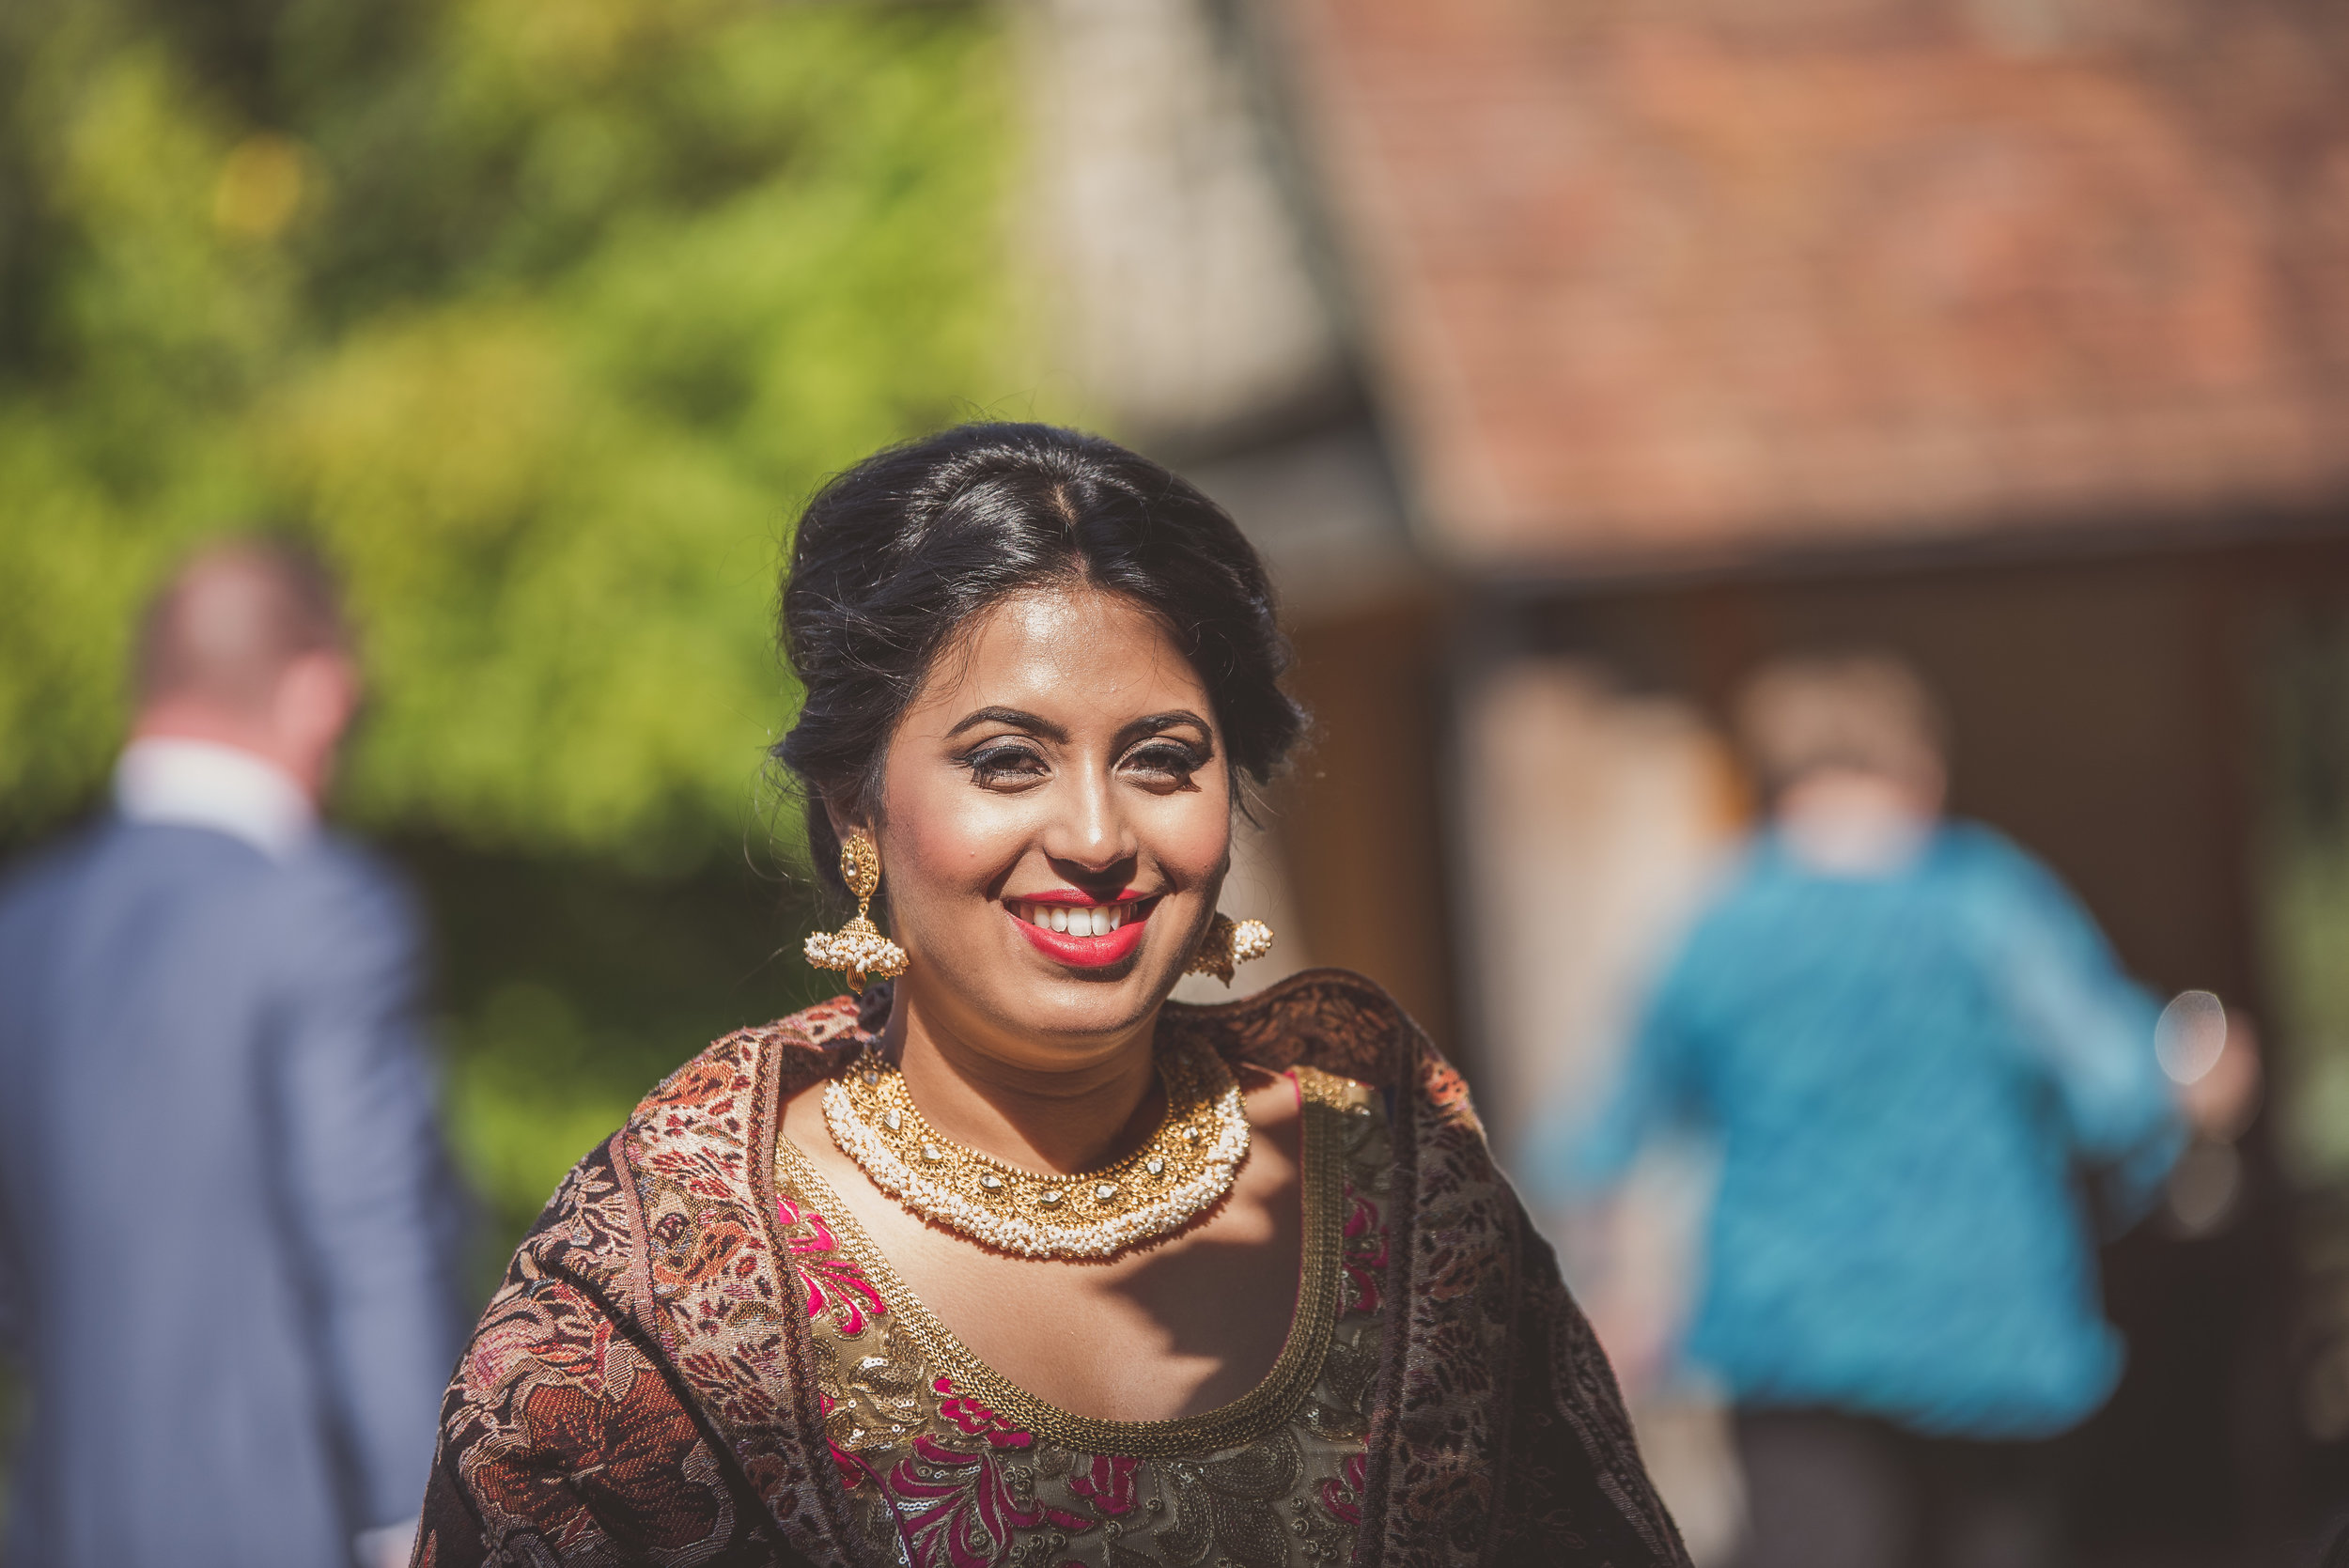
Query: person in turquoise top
{"x": 1929, "y": 1085}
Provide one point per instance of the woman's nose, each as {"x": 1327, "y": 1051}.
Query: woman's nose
{"x": 1090, "y": 829}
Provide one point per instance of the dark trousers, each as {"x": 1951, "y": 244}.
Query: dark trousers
{"x": 1828, "y": 1490}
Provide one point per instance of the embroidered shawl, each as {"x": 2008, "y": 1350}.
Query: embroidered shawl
{"x": 642, "y": 1389}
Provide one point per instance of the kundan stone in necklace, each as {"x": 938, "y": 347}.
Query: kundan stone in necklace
{"x": 1184, "y": 1170}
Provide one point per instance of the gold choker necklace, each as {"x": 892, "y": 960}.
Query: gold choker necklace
{"x": 1184, "y": 1170}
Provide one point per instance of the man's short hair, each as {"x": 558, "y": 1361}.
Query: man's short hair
{"x": 231, "y": 619}
{"x": 1866, "y": 711}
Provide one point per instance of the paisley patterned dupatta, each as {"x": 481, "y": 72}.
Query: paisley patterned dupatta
{"x": 639, "y": 1390}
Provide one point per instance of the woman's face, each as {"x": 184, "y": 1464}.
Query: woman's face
{"x": 1056, "y": 823}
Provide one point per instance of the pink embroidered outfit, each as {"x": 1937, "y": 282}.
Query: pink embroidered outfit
{"x": 947, "y": 1464}
{"x": 697, "y": 1357}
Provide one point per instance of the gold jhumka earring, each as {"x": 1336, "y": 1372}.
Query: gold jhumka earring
{"x": 858, "y": 947}
{"x": 1228, "y": 944}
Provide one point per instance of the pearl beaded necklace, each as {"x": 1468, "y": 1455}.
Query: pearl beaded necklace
{"x": 1185, "y": 1169}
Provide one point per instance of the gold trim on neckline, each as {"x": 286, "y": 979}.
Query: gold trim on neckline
{"x": 1262, "y": 1408}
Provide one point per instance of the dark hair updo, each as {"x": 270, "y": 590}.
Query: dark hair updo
{"x": 894, "y": 557}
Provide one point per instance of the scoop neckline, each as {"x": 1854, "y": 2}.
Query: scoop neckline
{"x": 1270, "y": 1403}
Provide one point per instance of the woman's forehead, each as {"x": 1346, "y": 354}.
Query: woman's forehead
{"x": 1074, "y": 654}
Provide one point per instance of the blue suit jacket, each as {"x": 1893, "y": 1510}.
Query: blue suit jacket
{"x": 228, "y": 1228}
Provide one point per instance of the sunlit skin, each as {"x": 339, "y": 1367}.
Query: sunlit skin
{"x": 1064, "y": 746}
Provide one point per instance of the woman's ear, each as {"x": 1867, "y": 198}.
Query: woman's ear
{"x": 844, "y": 822}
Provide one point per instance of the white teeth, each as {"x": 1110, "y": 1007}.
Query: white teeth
{"x": 1097, "y": 919}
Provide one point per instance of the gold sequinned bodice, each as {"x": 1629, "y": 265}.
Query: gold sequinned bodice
{"x": 949, "y": 1465}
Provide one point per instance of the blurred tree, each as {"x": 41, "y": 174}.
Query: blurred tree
{"x": 541, "y": 315}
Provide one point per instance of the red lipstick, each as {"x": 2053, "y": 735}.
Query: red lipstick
{"x": 1086, "y": 950}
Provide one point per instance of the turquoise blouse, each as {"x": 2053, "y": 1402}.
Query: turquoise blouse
{"x": 1926, "y": 1089}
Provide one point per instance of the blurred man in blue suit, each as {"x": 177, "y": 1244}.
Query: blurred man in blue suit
{"x": 227, "y": 1220}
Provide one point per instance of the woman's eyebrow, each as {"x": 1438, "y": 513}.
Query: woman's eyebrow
{"x": 1156, "y": 722}
{"x": 1016, "y": 719}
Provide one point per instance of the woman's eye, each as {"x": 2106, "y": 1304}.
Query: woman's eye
{"x": 1005, "y": 765}
{"x": 1165, "y": 759}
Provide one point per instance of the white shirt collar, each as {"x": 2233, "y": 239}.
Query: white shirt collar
{"x": 202, "y": 783}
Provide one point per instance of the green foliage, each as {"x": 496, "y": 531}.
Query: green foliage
{"x": 541, "y": 315}
{"x": 2307, "y": 923}
{"x": 570, "y": 987}
{"x": 2304, "y": 885}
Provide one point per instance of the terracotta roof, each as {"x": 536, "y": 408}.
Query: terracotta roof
{"x": 1730, "y": 275}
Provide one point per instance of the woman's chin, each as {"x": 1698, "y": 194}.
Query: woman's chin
{"x": 1033, "y": 998}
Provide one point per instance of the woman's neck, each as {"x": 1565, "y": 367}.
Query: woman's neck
{"x": 1079, "y": 1117}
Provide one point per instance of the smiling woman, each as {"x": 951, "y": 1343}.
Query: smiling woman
{"x": 1011, "y": 1258}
